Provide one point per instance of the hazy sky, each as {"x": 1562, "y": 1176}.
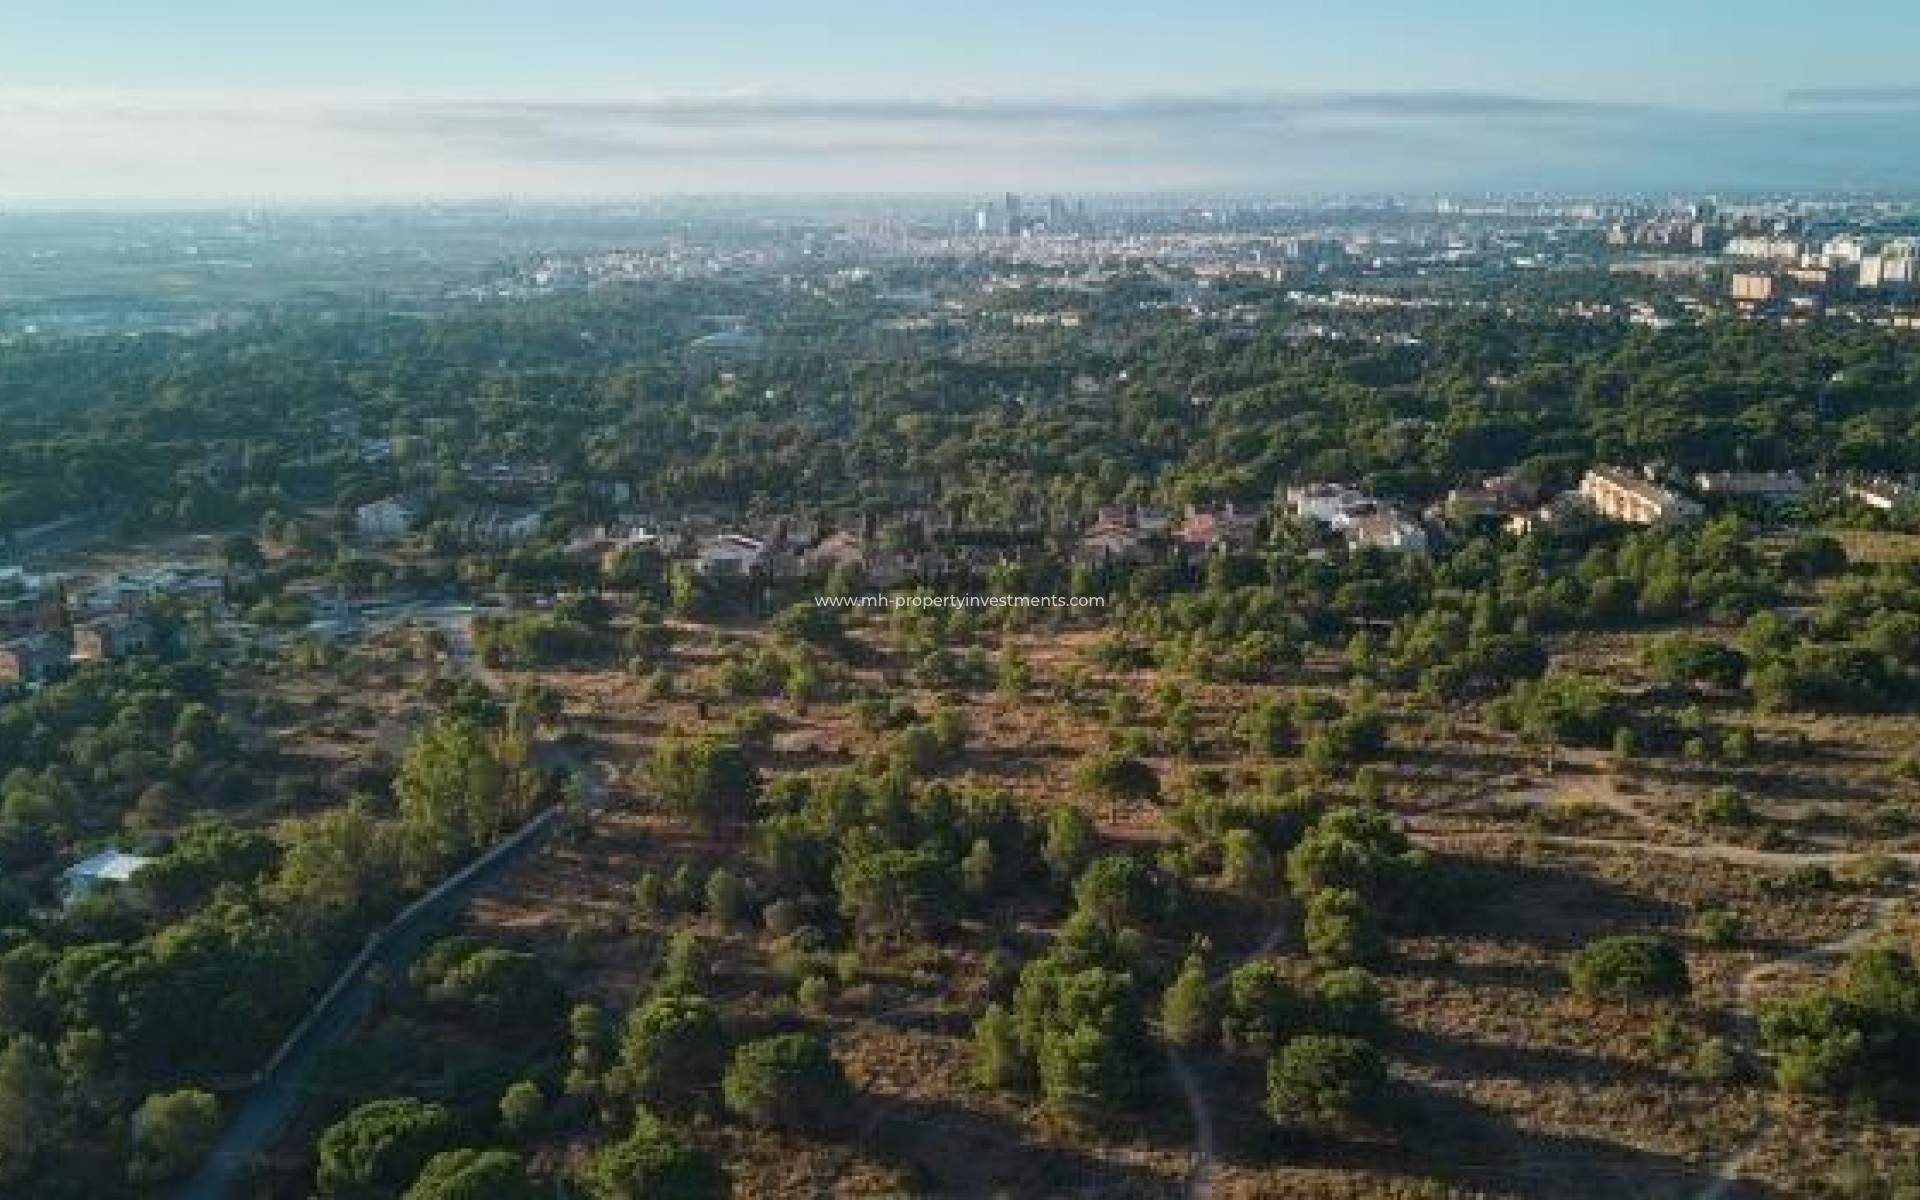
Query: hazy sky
{"x": 283, "y": 98}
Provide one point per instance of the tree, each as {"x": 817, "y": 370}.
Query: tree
{"x": 705, "y": 780}
{"x": 998, "y": 1060}
{"x": 1188, "y": 1013}
{"x": 1262, "y": 1007}
{"x": 589, "y": 1051}
{"x": 1088, "y": 1035}
{"x": 1821, "y": 1044}
{"x": 1814, "y": 556}
{"x": 1246, "y": 866}
{"x": 523, "y": 1108}
{"x": 1350, "y": 1001}
{"x": 29, "y": 1105}
{"x": 1069, "y": 842}
{"x": 379, "y": 1148}
{"x": 474, "y": 1175}
{"x": 1266, "y": 729}
{"x": 458, "y": 790}
{"x": 1359, "y": 849}
{"x": 1321, "y": 1081}
{"x": 1084, "y": 1071}
{"x": 1342, "y": 928}
{"x": 172, "y": 1132}
{"x": 812, "y": 624}
{"x": 892, "y": 892}
{"x": 1684, "y": 658}
{"x": 1855, "y": 1040}
{"x": 341, "y": 866}
{"x": 672, "y": 1051}
{"x": 1119, "y": 891}
{"x": 726, "y": 896}
{"x": 654, "y": 1163}
{"x": 1628, "y": 967}
{"x": 685, "y": 967}
{"x": 790, "y": 1081}
{"x": 1118, "y": 778}
{"x": 499, "y": 987}
{"x": 979, "y": 870}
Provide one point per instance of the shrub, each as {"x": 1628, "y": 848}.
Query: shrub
{"x": 1342, "y": 928}
{"x": 654, "y": 1161}
{"x": 1326, "y": 1082}
{"x": 672, "y": 1050}
{"x": 379, "y": 1148}
{"x": 1262, "y": 1007}
{"x": 1629, "y": 967}
{"x": 1723, "y": 806}
{"x": 474, "y": 1175}
{"x": 1717, "y": 927}
{"x": 172, "y": 1133}
{"x": 789, "y": 1081}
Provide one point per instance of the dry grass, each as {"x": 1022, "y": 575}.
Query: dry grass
{"x": 1517, "y": 1088}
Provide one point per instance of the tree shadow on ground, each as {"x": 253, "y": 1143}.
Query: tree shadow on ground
{"x": 1439, "y": 1138}
{"x": 1556, "y": 909}
{"x": 947, "y": 1150}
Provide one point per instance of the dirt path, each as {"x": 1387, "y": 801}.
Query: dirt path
{"x": 1205, "y": 1157}
{"x": 1727, "y": 1175}
{"x": 1673, "y": 839}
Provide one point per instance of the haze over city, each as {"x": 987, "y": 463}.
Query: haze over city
{"x": 217, "y": 99}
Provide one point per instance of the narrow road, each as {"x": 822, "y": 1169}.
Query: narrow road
{"x": 283, "y": 1084}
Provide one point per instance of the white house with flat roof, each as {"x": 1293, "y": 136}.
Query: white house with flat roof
{"x": 109, "y": 868}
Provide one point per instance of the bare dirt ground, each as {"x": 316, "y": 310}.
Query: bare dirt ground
{"x": 1516, "y": 1087}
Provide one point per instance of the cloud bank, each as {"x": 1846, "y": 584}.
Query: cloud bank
{"x": 106, "y": 146}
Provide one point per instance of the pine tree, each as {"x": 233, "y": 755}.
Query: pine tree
{"x": 1187, "y": 1010}
{"x": 998, "y": 1061}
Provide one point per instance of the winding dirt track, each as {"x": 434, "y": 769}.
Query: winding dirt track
{"x": 1726, "y": 1176}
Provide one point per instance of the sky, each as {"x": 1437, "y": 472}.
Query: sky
{"x": 106, "y": 100}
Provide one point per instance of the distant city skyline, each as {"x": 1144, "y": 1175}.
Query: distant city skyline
{"x": 219, "y": 99}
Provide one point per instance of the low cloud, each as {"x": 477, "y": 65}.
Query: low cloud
{"x": 1855, "y": 99}
{"x": 105, "y": 146}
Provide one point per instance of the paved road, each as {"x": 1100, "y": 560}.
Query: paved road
{"x": 283, "y": 1085}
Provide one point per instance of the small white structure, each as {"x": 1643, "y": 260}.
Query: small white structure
{"x": 1365, "y": 523}
{"x": 1751, "y": 485}
{"x": 1386, "y": 530}
{"x": 1882, "y": 495}
{"x": 386, "y": 518}
{"x": 1327, "y": 503}
{"x": 730, "y": 554}
{"x": 109, "y": 868}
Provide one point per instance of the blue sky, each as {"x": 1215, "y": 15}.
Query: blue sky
{"x": 273, "y": 98}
